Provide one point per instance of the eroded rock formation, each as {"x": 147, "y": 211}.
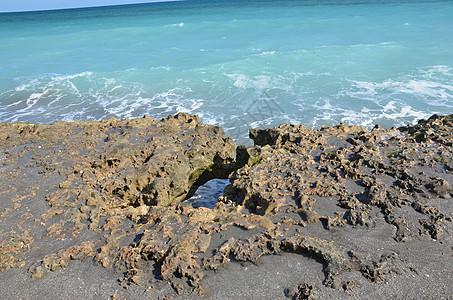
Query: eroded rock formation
{"x": 112, "y": 191}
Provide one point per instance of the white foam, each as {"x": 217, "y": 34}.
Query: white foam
{"x": 435, "y": 71}
{"x": 391, "y": 102}
{"x": 115, "y": 88}
{"x": 166, "y": 68}
{"x": 260, "y": 83}
{"x": 326, "y": 106}
{"x": 236, "y": 100}
{"x": 31, "y": 101}
{"x": 22, "y": 87}
{"x": 389, "y": 106}
{"x": 426, "y": 89}
{"x": 391, "y": 114}
{"x": 166, "y": 102}
{"x": 14, "y": 104}
{"x": 54, "y": 101}
{"x": 69, "y": 77}
{"x": 265, "y": 53}
{"x": 386, "y": 44}
{"x": 26, "y": 86}
{"x": 181, "y": 24}
{"x": 243, "y": 81}
{"x": 419, "y": 88}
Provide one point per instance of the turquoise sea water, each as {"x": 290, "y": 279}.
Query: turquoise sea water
{"x": 237, "y": 64}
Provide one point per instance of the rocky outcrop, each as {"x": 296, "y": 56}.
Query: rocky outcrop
{"x": 291, "y": 168}
{"x": 112, "y": 192}
{"x": 136, "y": 162}
{"x": 106, "y": 172}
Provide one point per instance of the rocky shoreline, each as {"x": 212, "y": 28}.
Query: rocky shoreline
{"x": 110, "y": 194}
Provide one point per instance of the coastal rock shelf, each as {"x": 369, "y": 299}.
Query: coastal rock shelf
{"x": 357, "y": 202}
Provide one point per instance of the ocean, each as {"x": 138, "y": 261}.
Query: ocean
{"x": 237, "y": 64}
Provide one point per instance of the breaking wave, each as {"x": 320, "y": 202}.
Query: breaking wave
{"x": 85, "y": 96}
{"x": 236, "y": 101}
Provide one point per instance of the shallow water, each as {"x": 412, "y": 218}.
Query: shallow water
{"x": 207, "y": 194}
{"x": 237, "y": 64}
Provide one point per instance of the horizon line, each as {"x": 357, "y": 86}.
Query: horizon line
{"x": 84, "y": 7}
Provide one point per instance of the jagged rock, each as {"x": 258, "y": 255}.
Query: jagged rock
{"x": 302, "y": 291}
{"x": 111, "y": 191}
{"x": 140, "y": 161}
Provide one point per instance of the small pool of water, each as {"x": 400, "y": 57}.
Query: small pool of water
{"x": 208, "y": 193}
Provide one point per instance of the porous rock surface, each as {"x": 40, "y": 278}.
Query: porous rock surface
{"x": 346, "y": 176}
{"x": 101, "y": 173}
{"x": 111, "y": 192}
{"x": 291, "y": 168}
